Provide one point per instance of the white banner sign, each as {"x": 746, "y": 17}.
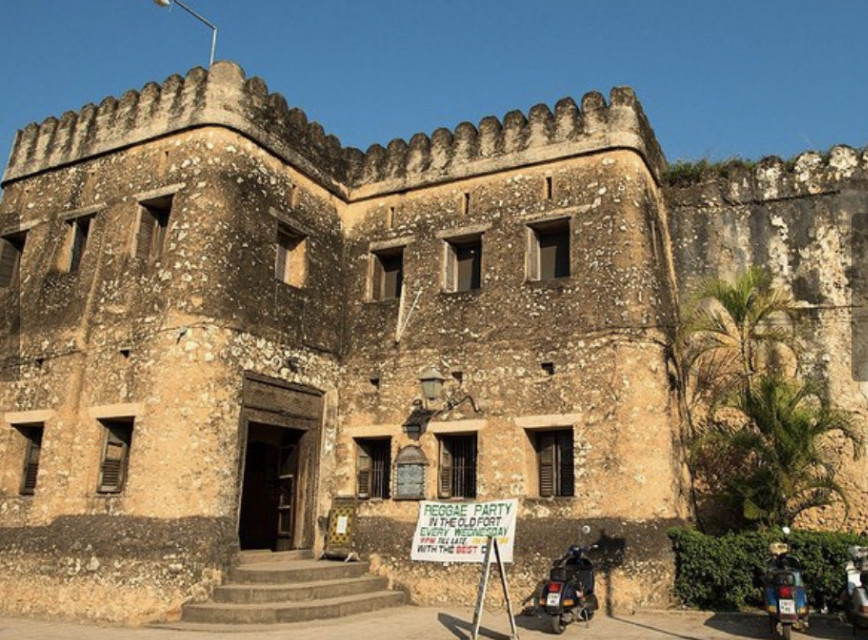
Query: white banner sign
{"x": 458, "y": 531}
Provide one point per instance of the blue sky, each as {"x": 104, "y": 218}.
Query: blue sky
{"x": 745, "y": 78}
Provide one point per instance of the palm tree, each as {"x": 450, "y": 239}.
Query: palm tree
{"x": 734, "y": 331}
{"x": 783, "y": 450}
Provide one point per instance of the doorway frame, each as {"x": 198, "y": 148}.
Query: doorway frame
{"x": 283, "y": 404}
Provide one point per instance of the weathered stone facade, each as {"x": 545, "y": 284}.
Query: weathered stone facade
{"x": 279, "y": 325}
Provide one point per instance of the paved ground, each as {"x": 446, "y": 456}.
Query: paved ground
{"x": 427, "y": 623}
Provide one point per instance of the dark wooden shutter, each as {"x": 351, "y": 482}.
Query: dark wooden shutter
{"x": 378, "y": 278}
{"x": 468, "y": 257}
{"x": 80, "y": 230}
{"x": 10, "y": 253}
{"x": 546, "y": 464}
{"x": 161, "y": 226}
{"x": 31, "y": 461}
{"x": 451, "y": 259}
{"x": 444, "y": 488}
{"x": 280, "y": 265}
{"x": 533, "y": 262}
{"x": 145, "y": 235}
{"x": 393, "y": 274}
{"x": 364, "y": 474}
{"x": 554, "y": 252}
{"x": 566, "y": 466}
{"x": 114, "y": 462}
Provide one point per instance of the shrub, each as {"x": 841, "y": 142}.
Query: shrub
{"x": 725, "y": 572}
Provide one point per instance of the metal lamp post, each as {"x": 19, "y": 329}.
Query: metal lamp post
{"x": 213, "y": 27}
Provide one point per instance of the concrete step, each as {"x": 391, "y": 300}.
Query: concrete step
{"x": 297, "y": 571}
{"x": 259, "y": 556}
{"x": 274, "y": 613}
{"x": 294, "y": 592}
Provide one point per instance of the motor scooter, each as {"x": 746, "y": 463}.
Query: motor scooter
{"x": 856, "y": 601}
{"x": 784, "y": 591}
{"x": 568, "y": 596}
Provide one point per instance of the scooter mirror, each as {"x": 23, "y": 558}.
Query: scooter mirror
{"x": 586, "y": 529}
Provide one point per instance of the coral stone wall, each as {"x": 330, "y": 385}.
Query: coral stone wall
{"x": 169, "y": 342}
{"x": 796, "y": 219}
{"x": 166, "y": 343}
{"x": 605, "y": 330}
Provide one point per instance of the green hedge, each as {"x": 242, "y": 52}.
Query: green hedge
{"x": 725, "y": 572}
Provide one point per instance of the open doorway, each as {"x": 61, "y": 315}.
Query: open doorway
{"x": 269, "y": 493}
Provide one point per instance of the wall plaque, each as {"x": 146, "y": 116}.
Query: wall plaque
{"x": 410, "y": 466}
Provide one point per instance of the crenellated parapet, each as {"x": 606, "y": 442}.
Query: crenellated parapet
{"x": 224, "y": 96}
{"x": 518, "y": 140}
{"x": 737, "y": 182}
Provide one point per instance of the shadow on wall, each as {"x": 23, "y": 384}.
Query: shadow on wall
{"x": 612, "y": 550}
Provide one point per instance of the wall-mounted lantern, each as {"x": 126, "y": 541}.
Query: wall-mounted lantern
{"x": 431, "y": 381}
{"x": 432, "y": 384}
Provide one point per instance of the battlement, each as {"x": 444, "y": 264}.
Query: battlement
{"x": 223, "y": 96}
{"x": 737, "y": 182}
{"x": 518, "y": 140}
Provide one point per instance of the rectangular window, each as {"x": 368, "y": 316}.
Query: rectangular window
{"x": 77, "y": 242}
{"x": 116, "y": 453}
{"x": 32, "y": 447}
{"x": 555, "y": 462}
{"x": 11, "y": 248}
{"x": 388, "y": 274}
{"x": 457, "y": 477}
{"x": 153, "y": 224}
{"x": 291, "y": 263}
{"x": 372, "y": 467}
{"x": 549, "y": 250}
{"x": 463, "y": 263}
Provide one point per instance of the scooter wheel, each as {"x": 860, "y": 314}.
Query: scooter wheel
{"x": 558, "y": 625}
{"x": 786, "y": 631}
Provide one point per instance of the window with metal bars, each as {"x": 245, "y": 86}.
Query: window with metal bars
{"x": 153, "y": 225}
{"x": 463, "y": 263}
{"x": 32, "y": 448}
{"x": 116, "y": 453}
{"x": 457, "y": 477}
{"x": 372, "y": 467}
{"x": 387, "y": 277}
{"x": 11, "y": 248}
{"x": 555, "y": 460}
{"x": 548, "y": 250}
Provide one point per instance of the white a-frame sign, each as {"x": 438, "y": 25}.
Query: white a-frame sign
{"x": 483, "y": 585}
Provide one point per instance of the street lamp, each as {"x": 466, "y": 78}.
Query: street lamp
{"x": 213, "y": 27}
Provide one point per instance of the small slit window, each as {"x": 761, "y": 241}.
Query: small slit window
{"x": 387, "y": 274}
{"x": 11, "y": 249}
{"x": 463, "y": 264}
{"x": 115, "y": 457}
{"x": 153, "y": 226}
{"x": 291, "y": 261}
{"x": 549, "y": 250}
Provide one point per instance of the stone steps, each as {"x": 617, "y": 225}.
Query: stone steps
{"x": 281, "y": 612}
{"x": 262, "y": 593}
{"x": 270, "y": 588}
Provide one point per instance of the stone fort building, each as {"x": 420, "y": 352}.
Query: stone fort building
{"x": 215, "y": 319}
